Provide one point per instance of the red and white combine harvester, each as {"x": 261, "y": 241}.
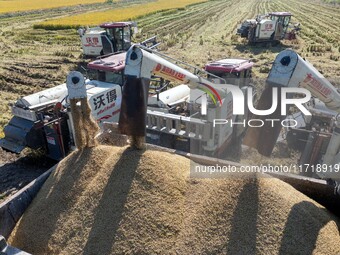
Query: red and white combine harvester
{"x": 109, "y": 38}
{"x": 269, "y": 28}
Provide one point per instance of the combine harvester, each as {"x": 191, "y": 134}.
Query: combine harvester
{"x": 177, "y": 117}
{"x": 43, "y": 120}
{"x": 269, "y": 28}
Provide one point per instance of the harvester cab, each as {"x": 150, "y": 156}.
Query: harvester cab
{"x": 107, "y": 38}
{"x": 119, "y": 34}
{"x": 282, "y": 20}
{"x": 109, "y": 69}
{"x": 271, "y": 27}
{"x": 232, "y": 71}
{"x": 111, "y": 37}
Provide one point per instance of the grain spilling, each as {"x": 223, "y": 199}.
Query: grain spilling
{"x": 114, "y": 200}
{"x": 85, "y": 128}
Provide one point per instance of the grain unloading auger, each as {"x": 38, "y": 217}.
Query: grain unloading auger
{"x": 291, "y": 71}
{"x": 140, "y": 65}
{"x": 197, "y": 126}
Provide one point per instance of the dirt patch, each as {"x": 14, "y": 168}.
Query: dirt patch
{"x": 111, "y": 200}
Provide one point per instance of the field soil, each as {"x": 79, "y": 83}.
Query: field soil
{"x": 35, "y": 59}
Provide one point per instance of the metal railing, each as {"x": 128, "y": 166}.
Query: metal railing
{"x": 178, "y": 125}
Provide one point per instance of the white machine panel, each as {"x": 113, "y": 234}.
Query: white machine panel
{"x": 92, "y": 42}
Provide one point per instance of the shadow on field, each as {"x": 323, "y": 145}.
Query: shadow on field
{"x": 109, "y": 212}
{"x": 261, "y": 48}
{"x": 242, "y": 239}
{"x": 311, "y": 226}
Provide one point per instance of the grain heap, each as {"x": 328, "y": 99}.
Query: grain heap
{"x": 111, "y": 200}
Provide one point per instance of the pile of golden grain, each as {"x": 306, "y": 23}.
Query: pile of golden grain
{"x": 112, "y": 200}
